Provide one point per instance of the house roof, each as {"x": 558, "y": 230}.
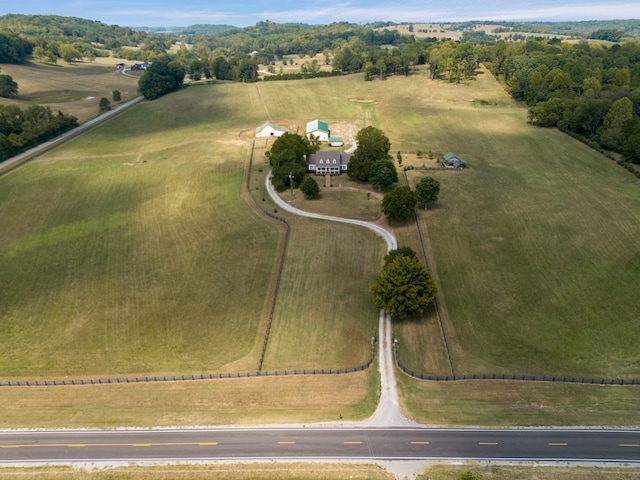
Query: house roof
{"x": 341, "y": 157}
{"x": 269, "y": 124}
{"x": 450, "y": 156}
{"x": 317, "y": 125}
{"x": 335, "y": 139}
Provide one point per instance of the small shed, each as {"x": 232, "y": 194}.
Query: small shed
{"x": 336, "y": 141}
{"x": 268, "y": 129}
{"x": 451, "y": 160}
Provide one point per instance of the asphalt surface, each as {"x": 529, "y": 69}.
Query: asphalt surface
{"x": 320, "y": 444}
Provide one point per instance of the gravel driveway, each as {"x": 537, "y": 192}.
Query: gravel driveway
{"x": 388, "y": 413}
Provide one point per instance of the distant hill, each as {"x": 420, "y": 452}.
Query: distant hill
{"x": 576, "y": 29}
{"x": 69, "y": 30}
{"x": 199, "y": 29}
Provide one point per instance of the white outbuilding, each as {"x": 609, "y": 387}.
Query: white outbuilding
{"x": 318, "y": 129}
{"x": 268, "y": 129}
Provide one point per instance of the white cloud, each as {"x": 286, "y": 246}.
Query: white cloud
{"x": 248, "y": 12}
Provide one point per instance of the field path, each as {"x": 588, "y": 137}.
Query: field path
{"x": 388, "y": 412}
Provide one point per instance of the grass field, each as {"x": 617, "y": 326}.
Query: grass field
{"x": 534, "y": 246}
{"x": 304, "y": 471}
{"x": 120, "y": 235}
{"x": 131, "y": 245}
{"x": 243, "y": 402}
{"x": 74, "y": 89}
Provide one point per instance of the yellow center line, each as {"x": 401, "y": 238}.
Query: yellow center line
{"x": 630, "y": 444}
{"x": 352, "y": 443}
{"x": 487, "y": 443}
{"x": 419, "y": 443}
{"x": 79, "y": 445}
{"x": 558, "y": 444}
{"x": 286, "y": 443}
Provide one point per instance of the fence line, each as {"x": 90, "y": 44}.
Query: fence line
{"x": 282, "y": 257}
{"x": 180, "y": 378}
{"x": 426, "y": 261}
{"x": 525, "y": 378}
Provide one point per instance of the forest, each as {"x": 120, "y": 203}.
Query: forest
{"x": 590, "y": 91}
{"x": 22, "y": 129}
{"x": 588, "y": 87}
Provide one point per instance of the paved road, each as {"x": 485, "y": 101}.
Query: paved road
{"x": 320, "y": 444}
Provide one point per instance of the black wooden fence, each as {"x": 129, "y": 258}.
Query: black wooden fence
{"x": 282, "y": 257}
{"x": 525, "y": 378}
{"x": 180, "y": 378}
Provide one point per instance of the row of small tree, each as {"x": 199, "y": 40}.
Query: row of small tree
{"x": 401, "y": 203}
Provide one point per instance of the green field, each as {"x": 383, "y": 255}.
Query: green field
{"x": 134, "y": 249}
{"x": 534, "y": 246}
{"x": 74, "y": 89}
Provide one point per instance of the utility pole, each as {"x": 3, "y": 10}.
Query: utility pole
{"x": 291, "y": 182}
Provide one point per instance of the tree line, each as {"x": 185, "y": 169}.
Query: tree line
{"x": 591, "y": 91}
{"x": 588, "y": 90}
{"x": 22, "y": 129}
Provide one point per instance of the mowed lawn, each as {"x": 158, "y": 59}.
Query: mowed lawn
{"x": 534, "y": 247}
{"x": 126, "y": 250}
{"x": 73, "y": 88}
{"x": 133, "y": 250}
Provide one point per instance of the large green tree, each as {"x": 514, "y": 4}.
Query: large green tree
{"x": 161, "y": 78}
{"x": 8, "y": 86}
{"x": 612, "y": 135}
{"x": 373, "y": 145}
{"x": 310, "y": 188}
{"x": 403, "y": 287}
{"x": 221, "y": 69}
{"x": 287, "y": 158}
{"x": 428, "y": 189}
{"x": 383, "y": 173}
{"x": 631, "y": 147}
{"x": 400, "y": 203}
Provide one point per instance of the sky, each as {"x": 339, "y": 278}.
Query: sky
{"x": 242, "y": 13}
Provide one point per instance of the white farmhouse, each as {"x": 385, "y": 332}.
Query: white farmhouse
{"x": 328, "y": 162}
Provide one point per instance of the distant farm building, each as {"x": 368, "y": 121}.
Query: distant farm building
{"x": 140, "y": 66}
{"x": 318, "y": 129}
{"x": 268, "y": 129}
{"x": 332, "y": 163}
{"x": 336, "y": 141}
{"x": 451, "y": 160}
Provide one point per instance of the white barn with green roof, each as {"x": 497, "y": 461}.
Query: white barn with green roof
{"x": 318, "y": 129}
